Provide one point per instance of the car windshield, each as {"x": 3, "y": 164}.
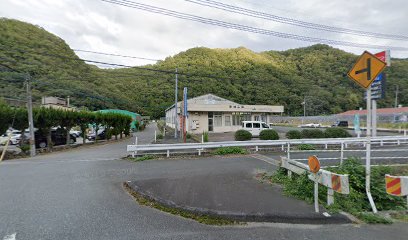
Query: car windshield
{"x": 264, "y": 125}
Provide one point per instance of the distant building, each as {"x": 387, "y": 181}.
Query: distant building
{"x": 215, "y": 114}
{"x": 57, "y": 103}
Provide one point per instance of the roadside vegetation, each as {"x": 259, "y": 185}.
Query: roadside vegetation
{"x": 142, "y": 158}
{"x": 242, "y": 135}
{"x": 356, "y": 203}
{"x": 335, "y": 132}
{"x": 268, "y": 134}
{"x": 47, "y": 118}
{"x": 230, "y": 150}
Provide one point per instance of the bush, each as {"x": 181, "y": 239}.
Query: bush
{"x": 336, "y": 133}
{"x": 188, "y": 135}
{"x": 312, "y": 133}
{"x": 159, "y": 136}
{"x": 205, "y": 136}
{"x": 268, "y": 134}
{"x": 293, "y": 134}
{"x": 230, "y": 150}
{"x": 242, "y": 135}
{"x": 306, "y": 147}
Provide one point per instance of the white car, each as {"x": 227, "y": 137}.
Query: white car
{"x": 310, "y": 125}
{"x": 14, "y": 140}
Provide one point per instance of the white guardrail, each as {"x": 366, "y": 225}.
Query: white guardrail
{"x": 284, "y": 144}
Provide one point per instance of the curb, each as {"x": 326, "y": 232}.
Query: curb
{"x": 244, "y": 217}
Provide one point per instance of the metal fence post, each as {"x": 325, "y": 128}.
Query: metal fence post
{"x": 288, "y": 151}
{"x": 168, "y": 153}
{"x": 330, "y": 197}
{"x": 341, "y": 154}
{"x": 256, "y": 148}
{"x": 283, "y": 147}
{"x": 325, "y": 146}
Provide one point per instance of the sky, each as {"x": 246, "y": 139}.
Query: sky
{"x": 96, "y": 25}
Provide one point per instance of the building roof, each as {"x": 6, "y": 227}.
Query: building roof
{"x": 209, "y": 99}
{"x": 379, "y": 111}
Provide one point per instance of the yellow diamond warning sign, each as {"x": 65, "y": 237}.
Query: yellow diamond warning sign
{"x": 366, "y": 69}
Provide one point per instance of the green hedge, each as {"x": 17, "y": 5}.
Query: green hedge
{"x": 294, "y": 134}
{"x": 242, "y": 135}
{"x": 230, "y": 150}
{"x": 268, "y": 134}
{"x": 312, "y": 133}
{"x": 336, "y": 133}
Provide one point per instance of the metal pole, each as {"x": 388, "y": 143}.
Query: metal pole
{"x": 155, "y": 136}
{"x": 316, "y": 194}
{"x": 330, "y": 198}
{"x": 30, "y": 117}
{"x": 304, "y": 109}
{"x": 368, "y": 152}
{"x": 374, "y": 118}
{"x": 175, "y": 105}
{"x": 342, "y": 154}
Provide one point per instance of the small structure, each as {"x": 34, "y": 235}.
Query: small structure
{"x": 215, "y": 114}
{"x": 136, "y": 118}
{"x": 57, "y": 103}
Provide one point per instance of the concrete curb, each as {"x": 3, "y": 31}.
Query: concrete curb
{"x": 244, "y": 217}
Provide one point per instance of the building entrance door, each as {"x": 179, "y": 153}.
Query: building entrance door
{"x": 210, "y": 121}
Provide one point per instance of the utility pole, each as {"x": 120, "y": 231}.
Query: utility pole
{"x": 304, "y": 109}
{"x": 396, "y": 97}
{"x": 30, "y": 116}
{"x": 368, "y": 152}
{"x": 175, "y": 105}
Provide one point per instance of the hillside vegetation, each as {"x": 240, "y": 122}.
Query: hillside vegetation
{"x": 241, "y": 75}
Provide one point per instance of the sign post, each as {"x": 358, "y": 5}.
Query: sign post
{"x": 314, "y": 166}
{"x": 364, "y": 72}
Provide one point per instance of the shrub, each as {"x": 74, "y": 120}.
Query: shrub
{"x": 242, "y": 135}
{"x": 159, "y": 136}
{"x": 306, "y": 147}
{"x": 25, "y": 148}
{"x": 188, "y": 135}
{"x": 268, "y": 134}
{"x": 293, "y": 134}
{"x": 336, "y": 133}
{"x": 230, "y": 150}
{"x": 312, "y": 133}
{"x": 205, "y": 136}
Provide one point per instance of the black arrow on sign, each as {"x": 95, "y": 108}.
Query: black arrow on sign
{"x": 367, "y": 69}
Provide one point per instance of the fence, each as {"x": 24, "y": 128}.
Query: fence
{"x": 284, "y": 145}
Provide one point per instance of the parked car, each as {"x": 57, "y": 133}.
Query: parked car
{"x": 58, "y": 137}
{"x": 101, "y": 135}
{"x": 14, "y": 140}
{"x": 254, "y": 127}
{"x": 310, "y": 125}
{"x": 341, "y": 124}
{"x": 76, "y": 133}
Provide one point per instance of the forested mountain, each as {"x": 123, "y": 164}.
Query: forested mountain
{"x": 241, "y": 75}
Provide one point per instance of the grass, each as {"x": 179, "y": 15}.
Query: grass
{"x": 356, "y": 203}
{"x": 373, "y": 218}
{"x": 142, "y": 158}
{"x": 400, "y": 216}
{"x": 230, "y": 150}
{"x": 201, "y": 218}
{"x": 306, "y": 147}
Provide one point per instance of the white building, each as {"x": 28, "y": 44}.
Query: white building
{"x": 215, "y": 114}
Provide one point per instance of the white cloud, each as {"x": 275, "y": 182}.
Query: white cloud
{"x": 100, "y": 26}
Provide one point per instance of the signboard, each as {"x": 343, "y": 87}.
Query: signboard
{"x": 314, "y": 164}
{"x": 366, "y": 69}
{"x": 377, "y": 87}
{"x": 384, "y": 56}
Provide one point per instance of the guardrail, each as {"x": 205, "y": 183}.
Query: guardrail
{"x": 333, "y": 181}
{"x": 285, "y": 145}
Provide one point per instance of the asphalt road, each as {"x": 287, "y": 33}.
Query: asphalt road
{"x": 78, "y": 195}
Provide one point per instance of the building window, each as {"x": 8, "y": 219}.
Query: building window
{"x": 217, "y": 119}
{"x": 227, "y": 120}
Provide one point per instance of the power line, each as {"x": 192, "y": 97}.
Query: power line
{"x": 292, "y": 21}
{"x": 209, "y": 21}
{"x": 115, "y": 55}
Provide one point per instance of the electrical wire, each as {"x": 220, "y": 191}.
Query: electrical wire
{"x": 115, "y": 55}
{"x": 209, "y": 21}
{"x": 292, "y": 21}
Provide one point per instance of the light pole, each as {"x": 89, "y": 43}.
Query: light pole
{"x": 304, "y": 109}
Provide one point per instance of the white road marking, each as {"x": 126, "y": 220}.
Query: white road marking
{"x": 10, "y": 237}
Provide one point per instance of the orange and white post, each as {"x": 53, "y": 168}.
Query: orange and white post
{"x": 397, "y": 185}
